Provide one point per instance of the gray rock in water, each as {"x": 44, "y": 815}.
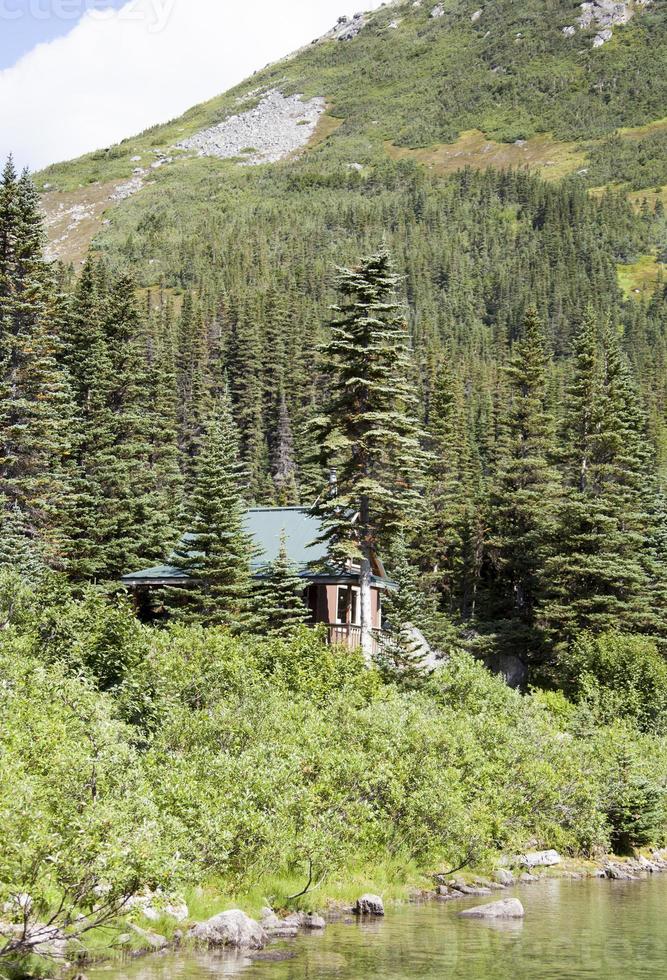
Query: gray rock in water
{"x": 369, "y": 905}
{"x": 465, "y": 889}
{"x": 154, "y": 940}
{"x": 276, "y": 927}
{"x": 233, "y": 928}
{"x": 507, "y": 908}
{"x": 315, "y": 922}
{"x": 539, "y": 859}
{"x": 527, "y": 879}
{"x": 503, "y": 877}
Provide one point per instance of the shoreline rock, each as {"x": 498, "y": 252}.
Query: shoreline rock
{"x": 506, "y": 908}
{"x": 233, "y": 928}
{"x": 369, "y": 905}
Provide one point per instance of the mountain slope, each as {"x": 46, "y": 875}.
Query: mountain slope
{"x": 448, "y": 87}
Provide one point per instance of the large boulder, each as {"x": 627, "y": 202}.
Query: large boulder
{"x": 369, "y": 905}
{"x": 152, "y": 939}
{"x": 504, "y": 877}
{"x": 539, "y": 859}
{"x": 507, "y": 908}
{"x": 512, "y": 670}
{"x": 233, "y": 928}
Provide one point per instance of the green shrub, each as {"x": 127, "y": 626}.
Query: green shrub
{"x": 620, "y": 676}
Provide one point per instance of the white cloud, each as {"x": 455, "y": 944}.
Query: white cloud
{"x": 116, "y": 73}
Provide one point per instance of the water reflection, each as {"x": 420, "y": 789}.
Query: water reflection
{"x": 610, "y": 930}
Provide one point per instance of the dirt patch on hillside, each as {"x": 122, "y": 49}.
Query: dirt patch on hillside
{"x": 542, "y": 153}
{"x": 73, "y": 218}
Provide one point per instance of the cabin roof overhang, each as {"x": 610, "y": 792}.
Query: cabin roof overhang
{"x": 165, "y": 576}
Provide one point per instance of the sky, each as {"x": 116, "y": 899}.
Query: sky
{"x": 78, "y": 75}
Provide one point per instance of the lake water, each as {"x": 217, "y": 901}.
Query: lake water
{"x": 612, "y": 930}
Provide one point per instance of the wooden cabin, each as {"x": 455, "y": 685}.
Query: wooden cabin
{"x": 331, "y": 594}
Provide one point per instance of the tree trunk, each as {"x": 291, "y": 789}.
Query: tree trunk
{"x": 366, "y": 607}
{"x": 365, "y": 590}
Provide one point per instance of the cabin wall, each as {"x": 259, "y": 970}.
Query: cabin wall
{"x": 325, "y": 604}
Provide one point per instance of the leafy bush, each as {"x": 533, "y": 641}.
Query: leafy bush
{"x": 241, "y": 761}
{"x": 621, "y": 676}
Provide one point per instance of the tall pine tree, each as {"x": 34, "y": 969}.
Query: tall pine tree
{"x": 216, "y": 551}
{"x": 523, "y": 498}
{"x": 370, "y": 433}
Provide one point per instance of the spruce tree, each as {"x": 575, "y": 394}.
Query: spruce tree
{"x": 446, "y": 546}
{"x": 36, "y": 409}
{"x": 283, "y": 465}
{"x": 370, "y": 433}
{"x": 216, "y": 551}
{"x": 19, "y": 550}
{"x": 523, "y": 498}
{"x": 280, "y": 596}
{"x": 598, "y": 575}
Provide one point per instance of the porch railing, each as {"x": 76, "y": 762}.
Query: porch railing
{"x": 340, "y": 634}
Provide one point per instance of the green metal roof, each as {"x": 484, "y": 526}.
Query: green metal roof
{"x": 266, "y": 525}
{"x": 301, "y": 527}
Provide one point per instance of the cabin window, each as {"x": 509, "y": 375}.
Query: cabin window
{"x": 348, "y": 606}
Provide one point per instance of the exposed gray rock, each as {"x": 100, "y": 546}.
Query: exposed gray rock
{"x": 123, "y": 191}
{"x": 279, "y": 928}
{"x": 607, "y": 14}
{"x": 276, "y": 127}
{"x": 47, "y": 941}
{"x": 466, "y": 889}
{"x": 539, "y": 859}
{"x": 369, "y": 905}
{"x": 503, "y": 877}
{"x": 486, "y": 883}
{"x": 507, "y": 908}
{"x": 18, "y": 905}
{"x": 438, "y": 11}
{"x": 347, "y": 28}
{"x": 513, "y": 670}
{"x": 153, "y": 939}
{"x": 527, "y": 879}
{"x": 602, "y": 37}
{"x": 475, "y": 17}
{"x": 233, "y": 928}
{"x": 569, "y": 31}
{"x": 315, "y": 922}
{"x": 154, "y": 905}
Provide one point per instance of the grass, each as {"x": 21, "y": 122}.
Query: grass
{"x": 641, "y": 277}
{"x": 326, "y": 127}
{"x": 552, "y": 158}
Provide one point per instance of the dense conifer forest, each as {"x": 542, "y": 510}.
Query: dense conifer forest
{"x": 539, "y": 396}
